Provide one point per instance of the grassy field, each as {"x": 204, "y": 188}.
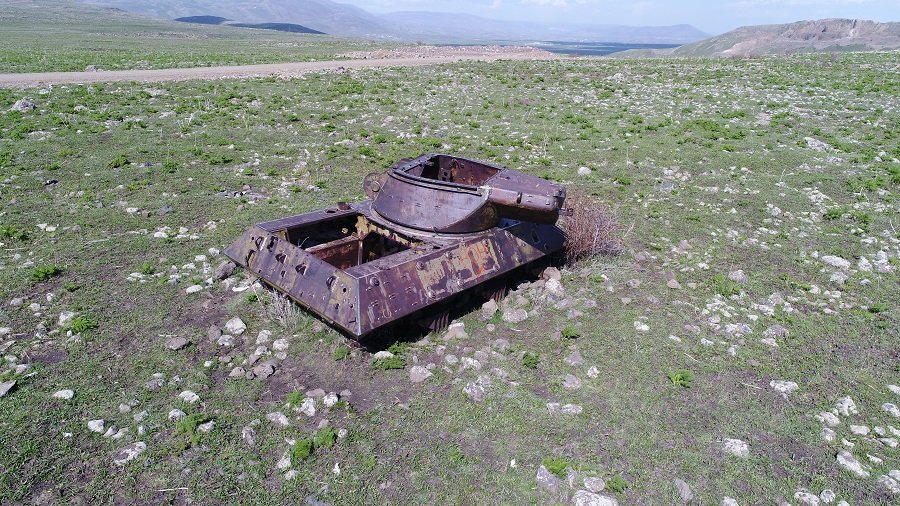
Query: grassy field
{"x": 118, "y": 198}
{"x": 61, "y": 35}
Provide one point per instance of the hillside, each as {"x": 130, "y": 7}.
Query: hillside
{"x": 350, "y": 21}
{"x": 321, "y": 15}
{"x": 824, "y": 35}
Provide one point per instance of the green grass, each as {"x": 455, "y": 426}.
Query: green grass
{"x": 429, "y": 443}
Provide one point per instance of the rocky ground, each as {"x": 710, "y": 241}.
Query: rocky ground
{"x": 742, "y": 350}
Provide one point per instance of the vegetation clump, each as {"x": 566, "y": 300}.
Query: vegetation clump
{"x": 45, "y": 272}
{"x": 592, "y": 228}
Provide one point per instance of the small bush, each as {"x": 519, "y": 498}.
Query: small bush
{"x": 682, "y": 378}
{"x": 13, "y": 232}
{"x": 385, "y": 364}
{"x": 591, "y": 228}
{"x": 557, "y": 465}
{"x": 570, "y": 332}
{"x": 325, "y": 438}
{"x": 170, "y": 166}
{"x": 835, "y": 213}
{"x": 724, "y": 286}
{"x": 70, "y": 286}
{"x": 45, "y": 272}
{"x": 81, "y": 324}
{"x": 302, "y": 450}
{"x": 617, "y": 484}
{"x": 340, "y": 353}
{"x": 119, "y": 161}
{"x": 188, "y": 426}
{"x": 530, "y": 361}
{"x": 147, "y": 269}
{"x": 295, "y": 398}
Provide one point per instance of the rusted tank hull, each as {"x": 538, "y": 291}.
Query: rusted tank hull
{"x": 360, "y": 272}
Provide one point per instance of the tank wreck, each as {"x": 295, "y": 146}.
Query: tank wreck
{"x": 433, "y": 229}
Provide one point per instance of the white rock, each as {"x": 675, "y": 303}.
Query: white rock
{"x": 129, "y": 453}
{"x": 283, "y": 463}
{"x": 382, "y": 354}
{"x": 585, "y": 498}
{"x": 736, "y": 447}
{"x": 827, "y": 496}
{"x": 836, "y": 262}
{"x": 641, "y": 326}
{"x": 859, "y": 430}
{"x": 828, "y": 418}
{"x": 894, "y": 388}
{"x": 189, "y": 397}
{"x": 846, "y": 407}
{"x": 418, "y": 374}
{"x": 828, "y": 434}
{"x": 64, "y": 317}
{"x": 594, "y": 484}
{"x": 456, "y": 330}
{"x": 64, "y": 394}
{"x": 806, "y": 498}
{"x": 235, "y": 326}
{"x": 728, "y": 501}
{"x": 593, "y": 373}
{"x": 193, "y": 289}
{"x": 97, "y": 425}
{"x": 280, "y": 345}
{"x": 278, "y": 418}
{"x": 891, "y": 409}
{"x": 584, "y": 171}
{"x": 784, "y": 387}
{"x": 849, "y": 462}
{"x": 175, "y": 415}
{"x": 571, "y": 382}
{"x": 330, "y": 399}
{"x": 890, "y": 484}
{"x": 308, "y": 407}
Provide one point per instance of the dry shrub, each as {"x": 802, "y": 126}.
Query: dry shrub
{"x": 591, "y": 227}
{"x": 280, "y": 308}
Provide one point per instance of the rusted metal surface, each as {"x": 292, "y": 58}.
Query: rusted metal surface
{"x": 363, "y": 265}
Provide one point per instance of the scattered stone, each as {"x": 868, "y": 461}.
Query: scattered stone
{"x": 64, "y": 394}
{"x": 264, "y": 370}
{"x": 776, "y": 331}
{"x": 806, "y": 498}
{"x": 280, "y": 345}
{"x": 501, "y": 344}
{"x": 684, "y": 490}
{"x": 849, "y": 462}
{"x": 235, "y": 326}
{"x": 890, "y": 484}
{"x": 846, "y": 407}
{"x": 574, "y": 359}
{"x": 248, "y": 436}
{"x": 827, "y": 496}
{"x": 554, "y": 288}
{"x": 64, "y": 317}
{"x": 23, "y": 105}
{"x": 736, "y": 447}
{"x": 728, "y": 501}
{"x": 238, "y": 372}
{"x": 379, "y": 356}
{"x": 585, "y": 498}
{"x": 129, "y": 453}
{"x": 98, "y": 426}
{"x": 330, "y": 399}
{"x": 176, "y": 414}
{"x": 213, "y": 333}
{"x": 154, "y": 384}
{"x": 176, "y": 343}
{"x": 278, "y": 418}
{"x": 738, "y": 276}
{"x": 816, "y": 144}
{"x": 308, "y": 407}
{"x": 571, "y": 382}
{"x": 193, "y": 289}
{"x": 673, "y": 284}
{"x": 189, "y": 397}
{"x": 784, "y": 387}
{"x": 859, "y": 430}
{"x": 456, "y": 330}
{"x": 836, "y": 262}
{"x": 594, "y": 484}
{"x": 593, "y": 373}
{"x": 828, "y": 418}
{"x": 418, "y": 374}
{"x": 891, "y": 409}
{"x": 641, "y": 326}
{"x": 584, "y": 171}
{"x": 224, "y": 270}
{"x": 633, "y": 283}
{"x": 549, "y": 481}
{"x": 475, "y": 390}
{"x": 517, "y": 315}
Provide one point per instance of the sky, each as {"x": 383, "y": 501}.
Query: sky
{"x": 713, "y": 17}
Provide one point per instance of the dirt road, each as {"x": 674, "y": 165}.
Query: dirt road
{"x": 268, "y": 69}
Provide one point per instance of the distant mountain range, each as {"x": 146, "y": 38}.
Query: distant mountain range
{"x": 823, "y": 35}
{"x": 347, "y": 20}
